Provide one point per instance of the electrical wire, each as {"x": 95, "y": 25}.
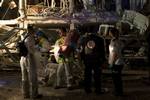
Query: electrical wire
{"x": 6, "y": 12}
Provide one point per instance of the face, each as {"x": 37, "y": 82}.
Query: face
{"x": 110, "y": 34}
{"x": 31, "y": 31}
{"x": 61, "y": 33}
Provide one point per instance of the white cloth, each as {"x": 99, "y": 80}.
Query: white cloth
{"x": 29, "y": 68}
{"x": 56, "y": 52}
{"x": 115, "y": 49}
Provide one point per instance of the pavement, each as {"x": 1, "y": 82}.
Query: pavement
{"x": 136, "y": 87}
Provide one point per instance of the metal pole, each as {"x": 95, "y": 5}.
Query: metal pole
{"x": 6, "y": 13}
{"x": 1, "y": 2}
{"x": 22, "y": 11}
{"x": 53, "y": 3}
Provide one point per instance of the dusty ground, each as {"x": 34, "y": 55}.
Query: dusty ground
{"x": 134, "y": 86}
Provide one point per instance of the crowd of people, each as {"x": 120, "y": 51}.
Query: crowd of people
{"x": 88, "y": 48}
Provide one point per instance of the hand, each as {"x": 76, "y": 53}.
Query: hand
{"x": 111, "y": 65}
{"x": 61, "y": 56}
{"x": 104, "y": 65}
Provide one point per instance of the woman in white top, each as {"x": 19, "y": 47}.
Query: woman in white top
{"x": 116, "y": 61}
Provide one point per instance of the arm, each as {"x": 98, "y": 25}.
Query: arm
{"x": 30, "y": 44}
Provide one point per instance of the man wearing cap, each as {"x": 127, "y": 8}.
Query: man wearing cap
{"x": 29, "y": 67}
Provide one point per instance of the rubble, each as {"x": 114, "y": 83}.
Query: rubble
{"x": 50, "y": 72}
{"x": 86, "y": 16}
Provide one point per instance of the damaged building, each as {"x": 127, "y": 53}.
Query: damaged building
{"x": 132, "y": 16}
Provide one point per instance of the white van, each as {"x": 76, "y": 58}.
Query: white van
{"x": 104, "y": 29}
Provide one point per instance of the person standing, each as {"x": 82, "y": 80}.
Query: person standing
{"x": 28, "y": 65}
{"x": 115, "y": 61}
{"x": 62, "y": 60}
{"x": 43, "y": 46}
{"x": 148, "y": 49}
{"x": 93, "y": 56}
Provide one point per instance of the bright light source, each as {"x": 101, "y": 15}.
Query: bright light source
{"x": 12, "y": 4}
{"x": 1, "y": 2}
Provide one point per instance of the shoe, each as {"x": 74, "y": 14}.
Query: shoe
{"x": 88, "y": 91}
{"x": 119, "y": 94}
{"x": 37, "y": 96}
{"x": 26, "y": 97}
{"x": 70, "y": 88}
{"x": 57, "y": 87}
{"x": 99, "y": 92}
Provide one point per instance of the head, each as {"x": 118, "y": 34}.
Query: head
{"x": 62, "y": 31}
{"x": 74, "y": 35}
{"x": 113, "y": 32}
{"x": 30, "y": 29}
{"x": 39, "y": 33}
{"x": 74, "y": 31}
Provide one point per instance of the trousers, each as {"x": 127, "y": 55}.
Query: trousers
{"x": 29, "y": 76}
{"x": 94, "y": 67}
{"x": 66, "y": 66}
{"x": 117, "y": 79}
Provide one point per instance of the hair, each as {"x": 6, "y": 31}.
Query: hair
{"x": 114, "y": 32}
{"x": 63, "y": 29}
{"x": 30, "y": 27}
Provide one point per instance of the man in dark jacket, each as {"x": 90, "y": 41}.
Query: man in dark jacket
{"x": 93, "y": 56}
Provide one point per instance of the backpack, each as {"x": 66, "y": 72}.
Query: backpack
{"x": 22, "y": 49}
